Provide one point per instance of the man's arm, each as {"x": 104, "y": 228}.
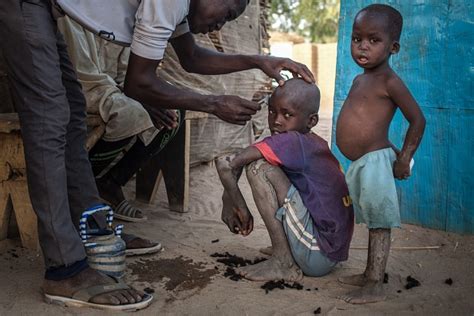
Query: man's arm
{"x": 142, "y": 84}
{"x": 207, "y": 62}
{"x": 401, "y": 96}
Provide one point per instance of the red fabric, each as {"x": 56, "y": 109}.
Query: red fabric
{"x": 268, "y": 153}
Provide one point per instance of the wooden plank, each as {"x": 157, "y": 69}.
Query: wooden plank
{"x": 9, "y": 122}
{"x": 12, "y": 160}
{"x": 5, "y": 211}
{"x": 24, "y": 214}
{"x": 148, "y": 180}
{"x": 173, "y": 166}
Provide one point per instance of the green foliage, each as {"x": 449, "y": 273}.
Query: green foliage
{"x": 316, "y": 20}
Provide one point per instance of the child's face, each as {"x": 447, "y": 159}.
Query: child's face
{"x": 284, "y": 116}
{"x": 371, "y": 43}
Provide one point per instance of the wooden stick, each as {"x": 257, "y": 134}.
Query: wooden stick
{"x": 401, "y": 248}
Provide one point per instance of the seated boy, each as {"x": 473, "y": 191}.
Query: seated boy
{"x": 298, "y": 188}
{"x": 362, "y": 136}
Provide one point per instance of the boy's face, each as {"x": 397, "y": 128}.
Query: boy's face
{"x": 371, "y": 43}
{"x": 284, "y": 116}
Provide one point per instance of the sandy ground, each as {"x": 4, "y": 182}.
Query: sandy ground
{"x": 187, "y": 280}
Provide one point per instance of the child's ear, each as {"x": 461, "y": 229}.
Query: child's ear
{"x": 313, "y": 120}
{"x": 395, "y": 47}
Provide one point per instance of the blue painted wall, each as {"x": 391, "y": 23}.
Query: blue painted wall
{"x": 436, "y": 62}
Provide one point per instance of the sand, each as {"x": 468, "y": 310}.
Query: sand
{"x": 186, "y": 280}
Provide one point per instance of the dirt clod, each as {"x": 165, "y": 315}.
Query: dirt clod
{"x": 148, "y": 290}
{"x": 271, "y": 285}
{"x": 411, "y": 282}
{"x": 235, "y": 261}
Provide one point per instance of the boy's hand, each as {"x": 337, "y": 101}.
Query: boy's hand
{"x": 401, "y": 168}
{"x": 239, "y": 221}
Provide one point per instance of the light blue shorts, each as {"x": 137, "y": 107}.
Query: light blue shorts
{"x": 372, "y": 189}
{"x": 299, "y": 228}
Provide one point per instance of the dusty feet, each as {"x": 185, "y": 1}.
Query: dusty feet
{"x": 89, "y": 278}
{"x": 271, "y": 269}
{"x": 356, "y": 280}
{"x": 371, "y": 292}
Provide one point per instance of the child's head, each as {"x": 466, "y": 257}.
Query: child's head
{"x": 294, "y": 107}
{"x": 375, "y": 35}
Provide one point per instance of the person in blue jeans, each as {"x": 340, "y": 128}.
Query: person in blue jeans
{"x": 299, "y": 190}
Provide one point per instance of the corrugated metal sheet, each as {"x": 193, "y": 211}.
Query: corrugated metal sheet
{"x": 436, "y": 62}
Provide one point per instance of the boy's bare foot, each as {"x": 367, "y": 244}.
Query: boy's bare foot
{"x": 271, "y": 269}
{"x": 267, "y": 250}
{"x": 87, "y": 279}
{"x": 356, "y": 280}
{"x": 371, "y": 292}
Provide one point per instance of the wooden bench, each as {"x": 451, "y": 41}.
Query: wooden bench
{"x": 172, "y": 164}
{"x": 14, "y": 196}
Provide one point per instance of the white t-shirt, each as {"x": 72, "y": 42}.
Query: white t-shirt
{"x": 145, "y": 25}
{"x": 155, "y": 23}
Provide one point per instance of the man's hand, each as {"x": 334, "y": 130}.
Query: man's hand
{"x": 272, "y": 66}
{"x": 162, "y": 117}
{"x": 233, "y": 109}
{"x": 401, "y": 168}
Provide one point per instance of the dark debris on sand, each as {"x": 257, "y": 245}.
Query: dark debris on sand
{"x": 234, "y": 261}
{"x": 317, "y": 311}
{"x": 411, "y": 282}
{"x": 281, "y": 284}
{"x": 231, "y": 274}
{"x": 214, "y": 241}
{"x": 449, "y": 281}
{"x": 385, "y": 278}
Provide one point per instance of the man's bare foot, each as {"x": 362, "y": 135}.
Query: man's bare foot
{"x": 271, "y": 269}
{"x": 371, "y": 292}
{"x": 89, "y": 278}
{"x": 356, "y": 280}
{"x": 267, "y": 250}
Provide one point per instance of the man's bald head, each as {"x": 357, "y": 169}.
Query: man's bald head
{"x": 302, "y": 95}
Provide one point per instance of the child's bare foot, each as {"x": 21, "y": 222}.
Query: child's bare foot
{"x": 357, "y": 279}
{"x": 266, "y": 250}
{"x": 271, "y": 269}
{"x": 371, "y": 292}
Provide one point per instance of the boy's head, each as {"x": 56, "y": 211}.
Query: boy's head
{"x": 375, "y": 35}
{"x": 294, "y": 107}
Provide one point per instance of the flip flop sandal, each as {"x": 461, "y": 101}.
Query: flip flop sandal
{"x": 127, "y": 212}
{"x": 152, "y": 247}
{"x": 82, "y": 298}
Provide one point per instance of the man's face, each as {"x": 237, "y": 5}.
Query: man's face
{"x": 371, "y": 44}
{"x": 285, "y": 116}
{"x": 210, "y": 15}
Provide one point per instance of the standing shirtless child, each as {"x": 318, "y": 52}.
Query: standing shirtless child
{"x": 298, "y": 188}
{"x": 362, "y": 136}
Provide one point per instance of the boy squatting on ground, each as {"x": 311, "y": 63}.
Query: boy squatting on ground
{"x": 298, "y": 188}
{"x": 362, "y": 136}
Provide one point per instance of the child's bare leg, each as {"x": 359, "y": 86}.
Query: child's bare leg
{"x": 372, "y": 290}
{"x": 269, "y": 187}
